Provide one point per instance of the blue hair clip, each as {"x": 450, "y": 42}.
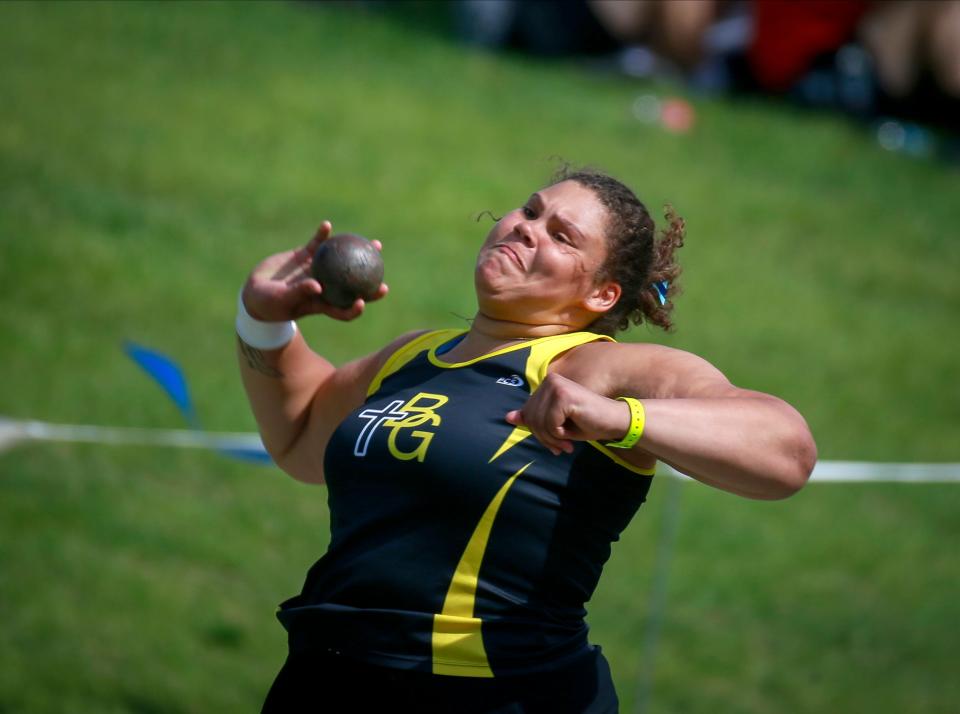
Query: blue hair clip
{"x": 661, "y": 288}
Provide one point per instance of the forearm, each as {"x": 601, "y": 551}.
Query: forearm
{"x": 754, "y": 446}
{"x": 738, "y": 440}
{"x": 281, "y": 385}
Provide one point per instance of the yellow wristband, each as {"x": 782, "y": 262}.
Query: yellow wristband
{"x": 637, "y": 420}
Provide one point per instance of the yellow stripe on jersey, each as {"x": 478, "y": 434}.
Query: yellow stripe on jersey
{"x": 617, "y": 459}
{"x": 407, "y": 352}
{"x": 545, "y": 349}
{"x": 518, "y": 434}
{"x": 541, "y": 355}
{"x": 543, "y": 352}
{"x": 457, "y": 639}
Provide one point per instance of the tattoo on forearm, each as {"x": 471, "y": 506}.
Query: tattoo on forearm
{"x": 256, "y": 361}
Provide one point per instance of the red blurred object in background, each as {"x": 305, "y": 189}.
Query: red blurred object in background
{"x": 789, "y": 36}
{"x": 677, "y": 115}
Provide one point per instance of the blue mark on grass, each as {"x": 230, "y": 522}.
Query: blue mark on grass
{"x": 167, "y": 373}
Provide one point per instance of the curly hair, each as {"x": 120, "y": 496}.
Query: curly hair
{"x": 636, "y": 258}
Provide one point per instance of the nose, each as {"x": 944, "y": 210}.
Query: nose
{"x": 524, "y": 229}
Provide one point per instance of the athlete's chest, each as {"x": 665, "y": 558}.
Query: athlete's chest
{"x": 433, "y": 430}
{"x": 423, "y": 408}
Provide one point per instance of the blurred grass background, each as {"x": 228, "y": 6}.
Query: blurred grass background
{"x": 151, "y": 153}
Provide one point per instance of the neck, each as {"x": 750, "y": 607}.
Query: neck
{"x": 488, "y": 334}
{"x": 493, "y": 329}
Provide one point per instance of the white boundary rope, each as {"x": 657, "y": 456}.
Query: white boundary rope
{"x": 868, "y": 472}
{"x": 14, "y": 431}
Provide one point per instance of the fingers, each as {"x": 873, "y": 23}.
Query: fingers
{"x": 377, "y": 244}
{"x": 296, "y": 273}
{"x": 297, "y": 263}
{"x": 310, "y": 288}
{"x": 323, "y": 232}
{"x": 543, "y": 424}
{"x": 558, "y": 446}
{"x": 381, "y": 293}
{"x": 295, "y": 293}
{"x": 554, "y": 445}
{"x": 559, "y": 413}
{"x": 345, "y": 314}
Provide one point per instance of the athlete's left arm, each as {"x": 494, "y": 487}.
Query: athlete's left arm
{"x": 746, "y": 442}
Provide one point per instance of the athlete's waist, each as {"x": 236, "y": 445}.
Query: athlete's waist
{"x": 405, "y": 640}
{"x": 397, "y": 577}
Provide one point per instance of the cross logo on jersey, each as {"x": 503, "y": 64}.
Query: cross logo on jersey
{"x": 400, "y": 417}
{"x": 375, "y": 417}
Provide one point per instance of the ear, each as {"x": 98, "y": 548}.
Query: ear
{"x": 603, "y": 297}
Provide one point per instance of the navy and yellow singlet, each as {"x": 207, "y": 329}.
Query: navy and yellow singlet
{"x": 459, "y": 544}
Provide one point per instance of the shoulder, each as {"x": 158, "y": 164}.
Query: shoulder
{"x": 603, "y": 353}
{"x": 401, "y": 343}
{"x": 401, "y": 351}
{"x": 359, "y": 372}
{"x": 643, "y": 369}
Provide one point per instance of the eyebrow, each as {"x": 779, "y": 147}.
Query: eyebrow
{"x": 565, "y": 221}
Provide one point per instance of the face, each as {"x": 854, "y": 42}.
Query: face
{"x": 539, "y": 263}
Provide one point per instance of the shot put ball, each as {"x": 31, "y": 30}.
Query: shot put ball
{"x": 348, "y": 266}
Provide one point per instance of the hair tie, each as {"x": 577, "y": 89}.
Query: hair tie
{"x": 661, "y": 288}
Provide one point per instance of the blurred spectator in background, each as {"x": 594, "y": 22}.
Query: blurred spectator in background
{"x": 863, "y": 57}
{"x": 897, "y": 57}
{"x": 674, "y": 29}
{"x": 790, "y": 38}
{"x": 690, "y": 39}
{"x": 677, "y": 38}
{"x": 915, "y": 47}
{"x": 542, "y": 27}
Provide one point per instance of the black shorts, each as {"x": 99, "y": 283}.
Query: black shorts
{"x": 324, "y": 682}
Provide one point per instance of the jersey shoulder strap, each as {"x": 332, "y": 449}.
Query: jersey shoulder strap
{"x": 545, "y": 350}
{"x": 426, "y": 341}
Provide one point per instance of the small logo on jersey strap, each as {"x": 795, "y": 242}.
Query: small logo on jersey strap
{"x": 514, "y": 380}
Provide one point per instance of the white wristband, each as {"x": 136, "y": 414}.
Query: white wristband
{"x": 262, "y": 335}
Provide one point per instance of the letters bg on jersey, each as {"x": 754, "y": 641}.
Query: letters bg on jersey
{"x": 397, "y": 416}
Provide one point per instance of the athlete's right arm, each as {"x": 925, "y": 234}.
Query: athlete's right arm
{"x": 298, "y": 397}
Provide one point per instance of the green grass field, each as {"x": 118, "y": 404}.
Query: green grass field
{"x": 151, "y": 153}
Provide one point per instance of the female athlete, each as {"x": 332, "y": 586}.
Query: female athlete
{"x": 477, "y": 478}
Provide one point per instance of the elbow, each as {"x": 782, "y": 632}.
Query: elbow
{"x": 291, "y": 457}
{"x": 799, "y": 460}
{"x": 799, "y": 455}
{"x": 302, "y": 472}
{"x": 310, "y": 478}
{"x": 298, "y": 463}
{"x": 789, "y": 484}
